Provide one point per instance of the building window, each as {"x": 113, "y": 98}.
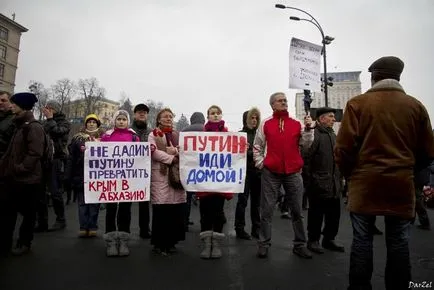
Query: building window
{"x": 4, "y": 33}
{"x": 2, "y": 70}
{"x": 2, "y": 51}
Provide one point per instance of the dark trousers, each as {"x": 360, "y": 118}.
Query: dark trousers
{"x": 87, "y": 213}
{"x": 398, "y": 268}
{"x": 327, "y": 210}
{"x": 42, "y": 204}
{"x": 252, "y": 188}
{"x": 211, "y": 213}
{"x": 56, "y": 189}
{"x": 20, "y": 198}
{"x": 420, "y": 208}
{"x": 118, "y": 217}
{"x": 167, "y": 225}
{"x": 187, "y": 206}
{"x": 304, "y": 203}
{"x": 144, "y": 217}
{"x": 283, "y": 200}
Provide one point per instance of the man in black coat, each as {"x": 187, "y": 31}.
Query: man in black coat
{"x": 140, "y": 126}
{"x": 323, "y": 185}
{"x": 57, "y": 127}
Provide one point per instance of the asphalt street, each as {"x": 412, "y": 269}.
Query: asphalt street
{"x": 61, "y": 261}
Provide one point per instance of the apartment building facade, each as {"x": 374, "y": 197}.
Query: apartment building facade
{"x": 10, "y": 36}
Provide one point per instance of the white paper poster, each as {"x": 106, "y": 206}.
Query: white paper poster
{"x": 117, "y": 172}
{"x": 213, "y": 161}
{"x": 304, "y": 65}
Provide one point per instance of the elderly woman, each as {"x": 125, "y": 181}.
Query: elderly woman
{"x": 167, "y": 195}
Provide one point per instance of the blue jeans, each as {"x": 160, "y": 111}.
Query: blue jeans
{"x": 398, "y": 268}
{"x": 87, "y": 213}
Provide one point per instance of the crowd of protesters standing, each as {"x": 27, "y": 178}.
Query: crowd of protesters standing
{"x": 382, "y": 158}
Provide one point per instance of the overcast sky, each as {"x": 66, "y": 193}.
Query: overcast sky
{"x": 191, "y": 54}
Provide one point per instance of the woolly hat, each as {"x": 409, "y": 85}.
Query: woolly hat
{"x": 92, "y": 117}
{"x": 25, "y": 101}
{"x": 387, "y": 67}
{"x": 54, "y": 105}
{"x": 121, "y": 113}
{"x": 197, "y": 118}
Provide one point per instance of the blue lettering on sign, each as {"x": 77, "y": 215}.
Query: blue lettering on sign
{"x": 215, "y": 160}
{"x": 196, "y": 176}
{"x": 100, "y": 151}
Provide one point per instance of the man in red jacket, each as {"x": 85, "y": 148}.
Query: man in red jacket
{"x": 277, "y": 152}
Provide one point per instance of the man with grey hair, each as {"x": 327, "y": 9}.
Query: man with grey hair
{"x": 323, "y": 185}
{"x": 57, "y": 127}
{"x": 384, "y": 140}
{"x": 276, "y": 151}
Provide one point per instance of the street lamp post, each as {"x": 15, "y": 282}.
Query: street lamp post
{"x": 325, "y": 40}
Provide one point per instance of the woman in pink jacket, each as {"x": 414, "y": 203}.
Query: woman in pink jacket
{"x": 118, "y": 215}
{"x": 167, "y": 197}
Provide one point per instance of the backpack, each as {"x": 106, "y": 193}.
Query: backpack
{"x": 48, "y": 154}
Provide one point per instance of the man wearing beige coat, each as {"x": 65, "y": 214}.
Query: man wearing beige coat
{"x": 384, "y": 139}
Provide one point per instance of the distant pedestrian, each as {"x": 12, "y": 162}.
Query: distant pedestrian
{"x": 384, "y": 140}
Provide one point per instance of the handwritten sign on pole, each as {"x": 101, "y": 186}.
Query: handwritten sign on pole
{"x": 304, "y": 65}
{"x": 117, "y": 172}
{"x": 213, "y": 161}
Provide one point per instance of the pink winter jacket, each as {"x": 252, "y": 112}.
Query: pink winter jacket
{"x": 161, "y": 191}
{"x": 120, "y": 135}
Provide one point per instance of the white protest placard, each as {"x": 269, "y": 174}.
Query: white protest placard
{"x": 117, "y": 172}
{"x": 213, "y": 161}
{"x": 304, "y": 65}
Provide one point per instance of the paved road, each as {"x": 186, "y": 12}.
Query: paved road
{"x": 61, "y": 261}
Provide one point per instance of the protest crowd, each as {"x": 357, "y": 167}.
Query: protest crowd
{"x": 380, "y": 164}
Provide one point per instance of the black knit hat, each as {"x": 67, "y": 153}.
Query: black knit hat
{"x": 387, "y": 67}
{"x": 25, "y": 101}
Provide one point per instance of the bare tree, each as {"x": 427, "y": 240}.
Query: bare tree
{"x": 62, "y": 91}
{"x": 42, "y": 94}
{"x": 182, "y": 123}
{"x": 126, "y": 104}
{"x": 91, "y": 92}
{"x": 154, "y": 108}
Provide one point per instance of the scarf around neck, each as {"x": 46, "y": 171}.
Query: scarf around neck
{"x": 215, "y": 126}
